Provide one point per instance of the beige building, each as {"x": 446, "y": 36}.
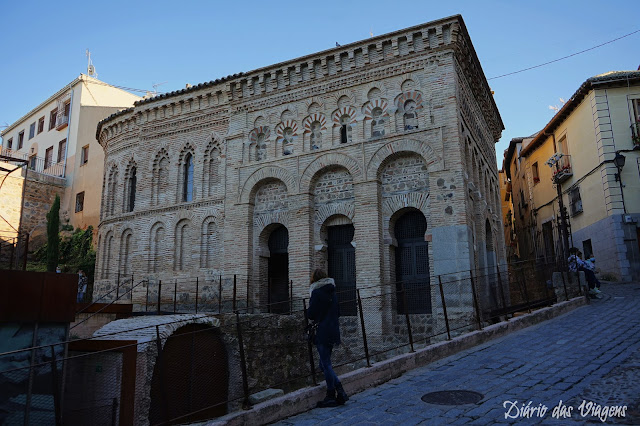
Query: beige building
{"x": 579, "y": 149}
{"x": 374, "y": 161}
{"x": 58, "y": 139}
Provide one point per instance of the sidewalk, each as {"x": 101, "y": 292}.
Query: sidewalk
{"x": 591, "y": 354}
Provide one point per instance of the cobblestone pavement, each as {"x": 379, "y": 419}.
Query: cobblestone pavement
{"x": 590, "y": 354}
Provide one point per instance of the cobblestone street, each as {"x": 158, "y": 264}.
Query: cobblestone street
{"x": 590, "y": 354}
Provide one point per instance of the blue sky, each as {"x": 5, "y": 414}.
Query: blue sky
{"x": 136, "y": 44}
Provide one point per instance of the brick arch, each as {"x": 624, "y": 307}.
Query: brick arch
{"x": 263, "y": 220}
{"x": 385, "y": 153}
{"x": 327, "y": 160}
{"x": 270, "y": 172}
{"x": 326, "y": 211}
{"x": 417, "y": 200}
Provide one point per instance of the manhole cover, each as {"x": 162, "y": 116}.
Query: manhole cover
{"x": 452, "y": 397}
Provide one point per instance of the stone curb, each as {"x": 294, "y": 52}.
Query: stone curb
{"x": 359, "y": 380}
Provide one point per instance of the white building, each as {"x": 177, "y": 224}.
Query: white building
{"x": 58, "y": 139}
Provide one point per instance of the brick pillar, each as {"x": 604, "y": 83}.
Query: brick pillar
{"x": 368, "y": 234}
{"x": 300, "y": 244}
{"x": 238, "y": 248}
{"x": 369, "y": 259}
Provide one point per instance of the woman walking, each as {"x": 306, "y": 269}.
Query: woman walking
{"x": 324, "y": 311}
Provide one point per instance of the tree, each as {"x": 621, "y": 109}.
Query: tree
{"x": 53, "y": 238}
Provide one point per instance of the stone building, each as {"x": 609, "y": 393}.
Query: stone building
{"x": 373, "y": 160}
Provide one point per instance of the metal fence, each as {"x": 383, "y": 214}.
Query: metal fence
{"x": 13, "y": 250}
{"x": 203, "y": 371}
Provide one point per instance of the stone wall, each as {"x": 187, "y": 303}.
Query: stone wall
{"x": 39, "y": 194}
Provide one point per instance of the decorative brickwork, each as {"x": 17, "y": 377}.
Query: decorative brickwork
{"x": 356, "y": 136}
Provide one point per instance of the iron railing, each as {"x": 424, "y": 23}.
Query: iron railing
{"x": 256, "y": 350}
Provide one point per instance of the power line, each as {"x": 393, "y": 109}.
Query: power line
{"x": 564, "y": 57}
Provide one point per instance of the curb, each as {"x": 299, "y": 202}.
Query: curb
{"x": 359, "y": 380}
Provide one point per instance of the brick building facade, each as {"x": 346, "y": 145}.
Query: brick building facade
{"x": 374, "y": 160}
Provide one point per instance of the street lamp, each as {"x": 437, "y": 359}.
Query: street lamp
{"x": 618, "y": 161}
{"x": 554, "y": 164}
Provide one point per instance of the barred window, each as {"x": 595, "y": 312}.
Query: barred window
{"x": 575, "y": 201}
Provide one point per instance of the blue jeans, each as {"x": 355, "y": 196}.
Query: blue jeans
{"x": 324, "y": 351}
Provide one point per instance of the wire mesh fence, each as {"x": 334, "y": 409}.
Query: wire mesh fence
{"x": 193, "y": 367}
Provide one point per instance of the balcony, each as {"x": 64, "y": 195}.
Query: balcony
{"x": 39, "y": 165}
{"x": 561, "y": 166}
{"x": 635, "y": 134}
{"x": 62, "y": 121}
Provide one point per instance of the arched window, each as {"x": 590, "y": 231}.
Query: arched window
{"x": 210, "y": 245}
{"x": 160, "y": 180}
{"x": 133, "y": 180}
{"x": 112, "y": 186}
{"x": 345, "y": 129}
{"x": 183, "y": 247}
{"x": 125, "y": 253}
{"x": 377, "y": 123}
{"x": 106, "y": 259}
{"x": 157, "y": 249}
{"x": 410, "y": 115}
{"x": 187, "y": 182}
{"x": 316, "y": 135}
{"x": 287, "y": 141}
{"x": 261, "y": 147}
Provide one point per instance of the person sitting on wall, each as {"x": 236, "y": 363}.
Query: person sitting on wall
{"x": 576, "y": 264}
{"x": 324, "y": 310}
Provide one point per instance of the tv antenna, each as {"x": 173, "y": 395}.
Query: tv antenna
{"x": 91, "y": 70}
{"x": 156, "y": 85}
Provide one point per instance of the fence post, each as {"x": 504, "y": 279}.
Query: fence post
{"x": 26, "y": 251}
{"x": 309, "y": 344}
{"x": 475, "y": 301}
{"x": 364, "y": 333}
{"x": 146, "y": 304}
{"x": 526, "y": 294}
{"x": 159, "y": 294}
{"x": 406, "y": 315}
{"x": 290, "y": 296}
{"x": 114, "y": 412}
{"x": 235, "y": 289}
{"x": 444, "y": 308}
{"x": 220, "y": 296}
{"x": 131, "y": 292}
{"x": 56, "y": 387}
{"x": 248, "y": 291}
{"x": 175, "y": 294}
{"x": 118, "y": 287}
{"x": 197, "y": 285}
{"x": 13, "y": 249}
{"x": 504, "y": 302}
{"x": 243, "y": 365}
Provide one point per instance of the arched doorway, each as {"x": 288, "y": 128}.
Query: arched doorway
{"x": 191, "y": 375}
{"x": 412, "y": 264}
{"x": 279, "y": 270}
{"x": 342, "y": 266}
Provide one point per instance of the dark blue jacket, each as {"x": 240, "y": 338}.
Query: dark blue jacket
{"x": 323, "y": 309}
